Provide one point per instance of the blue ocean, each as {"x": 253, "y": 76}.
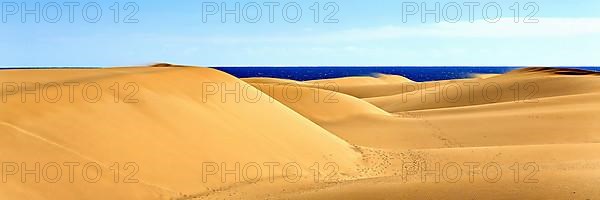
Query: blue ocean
{"x": 414, "y": 73}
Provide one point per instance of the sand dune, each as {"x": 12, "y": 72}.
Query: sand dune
{"x": 376, "y": 79}
{"x": 319, "y": 105}
{"x": 169, "y": 133}
{"x": 466, "y": 123}
{"x": 389, "y": 78}
{"x": 361, "y": 86}
{"x": 517, "y": 86}
{"x": 166, "y": 123}
{"x": 364, "y": 86}
{"x": 550, "y": 121}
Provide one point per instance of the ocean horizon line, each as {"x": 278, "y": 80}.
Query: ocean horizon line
{"x": 272, "y": 66}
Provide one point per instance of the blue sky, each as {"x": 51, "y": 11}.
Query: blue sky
{"x": 567, "y": 33}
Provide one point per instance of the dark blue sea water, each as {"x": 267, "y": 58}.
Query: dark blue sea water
{"x": 312, "y": 73}
{"x": 414, "y": 73}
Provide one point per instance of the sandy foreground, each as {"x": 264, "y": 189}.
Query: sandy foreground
{"x": 175, "y": 132}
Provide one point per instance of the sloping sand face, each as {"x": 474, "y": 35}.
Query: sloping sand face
{"x": 319, "y": 105}
{"x": 169, "y": 130}
{"x": 173, "y": 132}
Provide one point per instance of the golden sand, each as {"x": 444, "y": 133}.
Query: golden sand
{"x": 174, "y": 132}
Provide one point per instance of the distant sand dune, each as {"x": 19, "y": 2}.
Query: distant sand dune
{"x": 364, "y": 80}
{"x": 319, "y": 105}
{"x": 515, "y": 86}
{"x": 556, "y": 71}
